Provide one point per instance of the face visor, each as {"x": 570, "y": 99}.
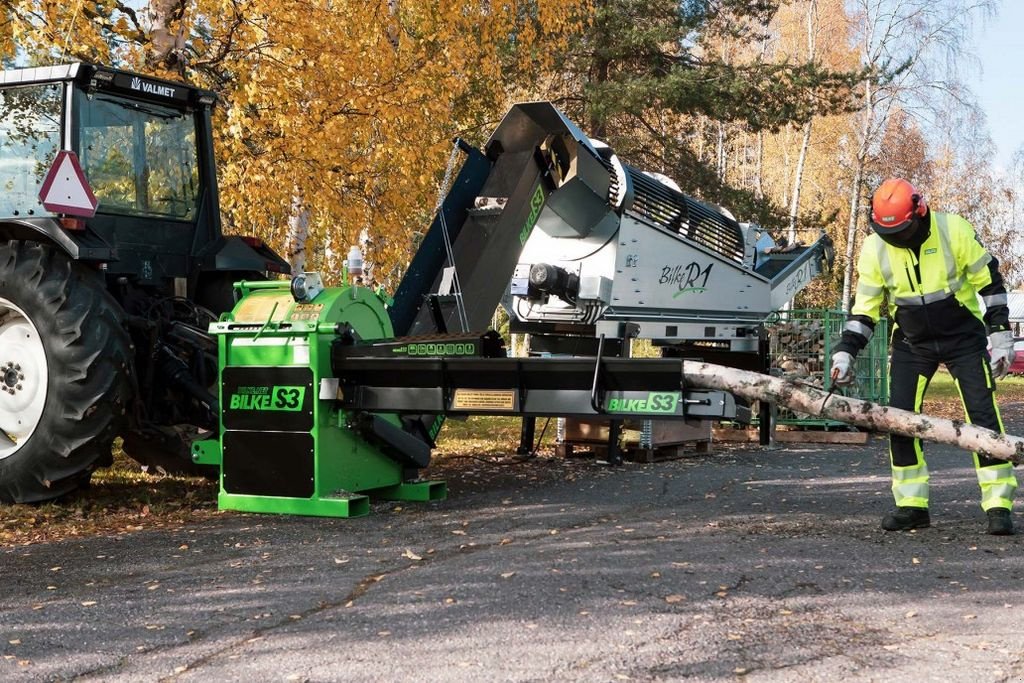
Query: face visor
{"x": 908, "y": 234}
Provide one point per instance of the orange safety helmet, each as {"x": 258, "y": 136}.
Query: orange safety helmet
{"x": 894, "y": 206}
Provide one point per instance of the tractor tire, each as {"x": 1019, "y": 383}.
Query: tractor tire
{"x": 65, "y": 364}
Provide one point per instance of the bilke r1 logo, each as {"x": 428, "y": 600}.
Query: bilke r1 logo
{"x": 283, "y": 398}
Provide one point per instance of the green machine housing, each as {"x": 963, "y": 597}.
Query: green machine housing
{"x": 285, "y": 445}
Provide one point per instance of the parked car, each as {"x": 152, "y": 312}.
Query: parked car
{"x": 1017, "y": 367}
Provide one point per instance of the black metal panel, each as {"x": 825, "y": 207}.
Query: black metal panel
{"x": 564, "y": 345}
{"x": 489, "y": 244}
{"x": 397, "y": 444}
{"x": 268, "y": 463}
{"x": 397, "y": 399}
{"x": 487, "y": 345}
{"x": 550, "y": 403}
{"x": 616, "y": 374}
{"x": 431, "y": 255}
{"x": 273, "y": 399}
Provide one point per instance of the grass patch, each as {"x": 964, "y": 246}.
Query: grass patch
{"x": 486, "y": 435}
{"x": 942, "y": 388}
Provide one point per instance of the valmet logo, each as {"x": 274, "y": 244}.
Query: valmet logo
{"x": 268, "y": 398}
{"x": 663, "y": 402}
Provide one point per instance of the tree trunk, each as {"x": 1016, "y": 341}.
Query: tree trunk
{"x": 851, "y": 235}
{"x": 164, "y": 43}
{"x": 798, "y": 178}
{"x": 759, "y": 173}
{"x": 298, "y": 234}
{"x": 871, "y": 416}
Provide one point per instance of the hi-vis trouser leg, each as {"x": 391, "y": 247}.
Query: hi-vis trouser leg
{"x": 909, "y": 375}
{"x": 977, "y": 392}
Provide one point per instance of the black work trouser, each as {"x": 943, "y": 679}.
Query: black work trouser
{"x": 909, "y": 375}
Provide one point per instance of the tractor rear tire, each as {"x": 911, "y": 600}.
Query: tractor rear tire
{"x": 65, "y": 371}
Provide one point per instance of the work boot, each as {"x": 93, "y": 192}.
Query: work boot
{"x": 905, "y": 518}
{"x": 999, "y": 522}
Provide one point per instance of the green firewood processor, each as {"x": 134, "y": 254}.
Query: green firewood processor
{"x": 331, "y": 396}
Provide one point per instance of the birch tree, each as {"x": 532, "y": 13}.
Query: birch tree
{"x": 912, "y": 48}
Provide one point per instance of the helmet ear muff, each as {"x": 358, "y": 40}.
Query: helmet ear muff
{"x": 920, "y": 205}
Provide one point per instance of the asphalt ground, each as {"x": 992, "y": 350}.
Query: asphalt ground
{"x": 746, "y": 564}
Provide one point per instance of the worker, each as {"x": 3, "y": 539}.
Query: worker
{"x": 932, "y": 267}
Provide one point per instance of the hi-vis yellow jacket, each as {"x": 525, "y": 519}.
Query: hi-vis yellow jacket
{"x": 932, "y": 291}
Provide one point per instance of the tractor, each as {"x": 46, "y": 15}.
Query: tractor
{"x": 104, "y": 319}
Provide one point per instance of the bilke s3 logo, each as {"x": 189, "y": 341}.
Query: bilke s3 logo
{"x": 283, "y": 398}
{"x": 664, "y": 402}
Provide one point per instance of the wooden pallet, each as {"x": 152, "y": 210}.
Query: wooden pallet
{"x": 671, "y": 439}
{"x": 790, "y": 436}
{"x": 633, "y": 452}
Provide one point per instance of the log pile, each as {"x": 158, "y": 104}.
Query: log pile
{"x": 798, "y": 350}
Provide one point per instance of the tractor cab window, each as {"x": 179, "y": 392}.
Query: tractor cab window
{"x": 139, "y": 158}
{"x": 30, "y": 126}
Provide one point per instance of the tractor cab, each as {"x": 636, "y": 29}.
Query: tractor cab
{"x": 145, "y": 147}
{"x": 105, "y": 304}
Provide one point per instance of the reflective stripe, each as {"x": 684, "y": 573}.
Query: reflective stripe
{"x": 998, "y": 484}
{"x": 942, "y": 222}
{"x": 995, "y": 473}
{"x": 858, "y": 328}
{"x": 910, "y": 485}
{"x": 979, "y": 264}
{"x": 885, "y": 267}
{"x": 923, "y": 300}
{"x": 953, "y": 282}
{"x": 869, "y": 291}
{"x": 996, "y": 300}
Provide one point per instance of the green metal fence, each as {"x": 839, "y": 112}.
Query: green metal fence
{"x": 802, "y": 342}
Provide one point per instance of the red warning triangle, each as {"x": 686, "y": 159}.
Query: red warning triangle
{"x": 65, "y": 189}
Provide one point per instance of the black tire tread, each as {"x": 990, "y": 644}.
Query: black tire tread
{"x": 88, "y": 352}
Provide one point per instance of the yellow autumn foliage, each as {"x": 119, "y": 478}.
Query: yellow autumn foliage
{"x": 345, "y": 110}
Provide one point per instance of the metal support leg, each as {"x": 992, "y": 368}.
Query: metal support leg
{"x": 766, "y": 412}
{"x": 526, "y": 436}
{"x": 614, "y": 454}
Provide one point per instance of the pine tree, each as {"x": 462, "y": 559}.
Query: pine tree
{"x": 652, "y": 65}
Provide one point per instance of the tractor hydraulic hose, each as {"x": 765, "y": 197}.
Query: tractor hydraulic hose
{"x": 177, "y": 374}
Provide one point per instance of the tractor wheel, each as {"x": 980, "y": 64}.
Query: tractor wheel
{"x": 64, "y": 373}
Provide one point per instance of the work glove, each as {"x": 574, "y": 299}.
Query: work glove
{"x": 1001, "y": 353}
{"x": 842, "y": 368}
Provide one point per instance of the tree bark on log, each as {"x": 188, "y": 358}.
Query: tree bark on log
{"x": 872, "y": 416}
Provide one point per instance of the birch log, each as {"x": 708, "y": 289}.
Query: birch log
{"x": 866, "y": 414}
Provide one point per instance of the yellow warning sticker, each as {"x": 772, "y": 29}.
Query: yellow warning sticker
{"x": 484, "y": 399}
{"x": 305, "y": 312}
{"x": 257, "y": 309}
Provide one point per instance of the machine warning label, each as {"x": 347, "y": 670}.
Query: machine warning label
{"x": 660, "y": 402}
{"x": 438, "y": 349}
{"x": 301, "y": 312}
{"x": 483, "y": 399}
{"x": 284, "y": 398}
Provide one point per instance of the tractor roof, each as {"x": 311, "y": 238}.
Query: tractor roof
{"x": 115, "y": 80}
